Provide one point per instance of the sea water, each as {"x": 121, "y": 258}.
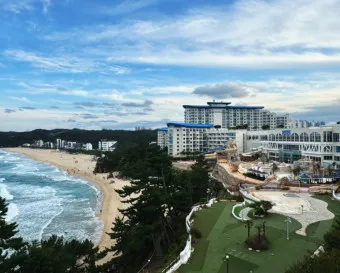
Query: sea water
{"x": 44, "y": 200}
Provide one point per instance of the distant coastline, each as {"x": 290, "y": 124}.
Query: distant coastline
{"x": 82, "y": 166}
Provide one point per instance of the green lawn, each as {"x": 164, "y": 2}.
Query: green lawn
{"x": 222, "y": 235}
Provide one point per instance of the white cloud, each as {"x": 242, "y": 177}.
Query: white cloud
{"x": 46, "y": 5}
{"x": 19, "y": 6}
{"x": 16, "y": 6}
{"x": 128, "y": 6}
{"x": 42, "y": 88}
{"x": 22, "y": 99}
{"x": 248, "y": 33}
{"x": 66, "y": 63}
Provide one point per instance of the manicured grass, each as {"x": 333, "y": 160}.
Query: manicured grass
{"x": 318, "y": 229}
{"x": 224, "y": 235}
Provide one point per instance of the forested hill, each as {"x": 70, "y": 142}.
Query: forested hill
{"x": 124, "y": 138}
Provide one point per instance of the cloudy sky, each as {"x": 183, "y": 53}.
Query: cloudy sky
{"x": 126, "y": 63}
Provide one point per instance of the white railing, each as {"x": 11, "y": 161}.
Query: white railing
{"x": 249, "y": 196}
{"x": 335, "y": 196}
{"x": 185, "y": 255}
{"x": 233, "y": 211}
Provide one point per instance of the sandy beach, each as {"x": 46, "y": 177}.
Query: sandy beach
{"x": 82, "y": 166}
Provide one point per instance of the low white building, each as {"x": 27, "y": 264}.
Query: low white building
{"x": 87, "y": 147}
{"x": 321, "y": 144}
{"x": 107, "y": 145}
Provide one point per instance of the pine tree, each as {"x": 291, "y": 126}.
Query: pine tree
{"x": 9, "y": 243}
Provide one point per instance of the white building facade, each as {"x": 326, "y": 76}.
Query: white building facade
{"x": 321, "y": 144}
{"x": 87, "y": 147}
{"x": 184, "y": 138}
{"x": 107, "y": 145}
{"x": 227, "y": 116}
{"x": 162, "y": 137}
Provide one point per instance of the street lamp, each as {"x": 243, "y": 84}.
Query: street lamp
{"x": 227, "y": 258}
{"x": 288, "y": 221}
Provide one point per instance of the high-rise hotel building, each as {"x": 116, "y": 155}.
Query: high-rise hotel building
{"x": 228, "y": 116}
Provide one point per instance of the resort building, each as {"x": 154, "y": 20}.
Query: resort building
{"x": 227, "y": 116}
{"x": 217, "y": 139}
{"x": 321, "y": 144}
{"x": 162, "y": 137}
{"x": 107, "y": 145}
{"x": 186, "y": 138}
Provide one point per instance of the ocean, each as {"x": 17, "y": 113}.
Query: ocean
{"x": 44, "y": 200}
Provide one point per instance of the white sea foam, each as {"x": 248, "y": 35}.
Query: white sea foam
{"x": 61, "y": 209}
{"x": 4, "y": 193}
{"x": 12, "y": 212}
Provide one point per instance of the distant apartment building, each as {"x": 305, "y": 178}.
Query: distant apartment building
{"x": 87, "y": 147}
{"x": 162, "y": 137}
{"x": 107, "y": 145}
{"x": 38, "y": 143}
{"x": 59, "y": 144}
{"x": 48, "y": 145}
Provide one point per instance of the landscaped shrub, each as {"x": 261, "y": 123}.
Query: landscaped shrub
{"x": 285, "y": 188}
{"x": 257, "y": 242}
{"x": 259, "y": 187}
{"x": 196, "y": 233}
{"x": 239, "y": 198}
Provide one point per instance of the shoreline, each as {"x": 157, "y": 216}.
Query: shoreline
{"x": 82, "y": 166}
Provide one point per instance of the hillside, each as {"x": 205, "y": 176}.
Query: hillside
{"x": 124, "y": 138}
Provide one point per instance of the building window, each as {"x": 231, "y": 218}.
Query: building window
{"x": 328, "y": 157}
{"x": 295, "y": 137}
{"x": 278, "y": 137}
{"x": 315, "y": 137}
{"x": 304, "y": 137}
{"x": 327, "y": 136}
{"x": 336, "y": 137}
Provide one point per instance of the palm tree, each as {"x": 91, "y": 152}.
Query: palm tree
{"x": 259, "y": 228}
{"x": 264, "y": 228}
{"x": 249, "y": 224}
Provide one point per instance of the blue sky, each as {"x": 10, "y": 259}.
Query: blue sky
{"x": 120, "y": 64}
